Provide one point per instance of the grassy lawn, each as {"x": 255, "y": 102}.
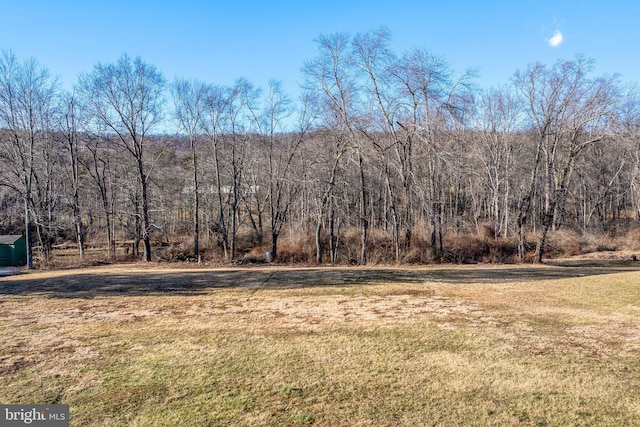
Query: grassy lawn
{"x": 446, "y": 346}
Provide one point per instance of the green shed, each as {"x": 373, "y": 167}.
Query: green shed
{"x": 13, "y": 250}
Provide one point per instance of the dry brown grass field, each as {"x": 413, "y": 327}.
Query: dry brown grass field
{"x": 138, "y": 345}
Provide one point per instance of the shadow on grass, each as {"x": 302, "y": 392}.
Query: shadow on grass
{"x": 193, "y": 282}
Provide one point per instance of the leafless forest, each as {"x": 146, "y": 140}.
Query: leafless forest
{"x": 386, "y": 157}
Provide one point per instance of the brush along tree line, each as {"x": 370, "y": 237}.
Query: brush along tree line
{"x": 381, "y": 146}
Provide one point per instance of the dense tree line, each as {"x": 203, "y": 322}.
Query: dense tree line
{"x": 381, "y": 149}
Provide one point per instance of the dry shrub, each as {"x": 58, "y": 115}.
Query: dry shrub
{"x": 351, "y": 243}
{"x": 486, "y": 231}
{"x": 259, "y": 251}
{"x": 251, "y": 259}
{"x": 606, "y": 243}
{"x": 465, "y": 248}
{"x": 620, "y": 227}
{"x": 292, "y": 257}
{"x": 565, "y": 242}
{"x": 469, "y": 248}
{"x": 247, "y": 239}
{"x": 214, "y": 251}
{"x": 503, "y": 251}
{"x": 96, "y": 241}
{"x": 417, "y": 254}
{"x": 573, "y": 250}
{"x": 380, "y": 247}
{"x": 420, "y": 250}
{"x": 257, "y": 255}
{"x": 177, "y": 253}
{"x": 476, "y": 244}
{"x": 631, "y": 241}
{"x": 298, "y": 249}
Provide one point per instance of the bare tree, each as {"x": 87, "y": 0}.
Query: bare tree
{"x": 241, "y": 106}
{"x": 281, "y": 153}
{"x": 126, "y": 99}
{"x": 215, "y": 123}
{"x": 47, "y": 195}
{"x": 497, "y": 121}
{"x": 628, "y": 130}
{"x": 331, "y": 76}
{"x": 190, "y": 102}
{"x": 69, "y": 125}
{"x": 569, "y": 111}
{"x": 27, "y": 95}
{"x": 374, "y": 58}
{"x": 99, "y": 161}
{"x": 429, "y": 91}
{"x": 327, "y": 148}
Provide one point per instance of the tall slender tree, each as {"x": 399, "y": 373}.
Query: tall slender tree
{"x": 126, "y": 99}
{"x": 215, "y": 124}
{"x": 190, "y": 102}
{"x": 69, "y": 125}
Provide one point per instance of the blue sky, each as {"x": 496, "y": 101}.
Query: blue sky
{"x": 219, "y": 41}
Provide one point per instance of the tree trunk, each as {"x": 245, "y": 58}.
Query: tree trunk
{"x": 524, "y": 208}
{"x": 76, "y": 203}
{"x": 221, "y": 218}
{"x": 274, "y": 245}
{"x": 234, "y": 224}
{"x": 394, "y": 216}
{"x": 196, "y": 204}
{"x": 111, "y": 244}
{"x": 333, "y": 240}
{"x": 550, "y": 212}
{"x": 27, "y": 228}
{"x": 546, "y": 226}
{"x": 319, "y": 248}
{"x": 363, "y": 211}
{"x": 79, "y": 233}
